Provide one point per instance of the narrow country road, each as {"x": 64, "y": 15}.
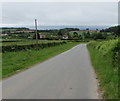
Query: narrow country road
{"x": 69, "y": 75}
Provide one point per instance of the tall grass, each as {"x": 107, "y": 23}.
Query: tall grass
{"x": 103, "y": 56}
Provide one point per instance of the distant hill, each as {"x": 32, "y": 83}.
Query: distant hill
{"x": 61, "y": 27}
{"x": 58, "y": 27}
{"x": 14, "y": 28}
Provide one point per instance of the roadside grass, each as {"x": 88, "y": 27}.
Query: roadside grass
{"x": 13, "y": 62}
{"x": 103, "y": 62}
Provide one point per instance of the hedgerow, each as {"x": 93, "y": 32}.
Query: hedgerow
{"x": 14, "y": 48}
{"x": 105, "y": 58}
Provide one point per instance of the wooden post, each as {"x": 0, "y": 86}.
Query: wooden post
{"x": 36, "y": 32}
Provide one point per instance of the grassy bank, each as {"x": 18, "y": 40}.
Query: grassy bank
{"x": 104, "y": 59}
{"x": 17, "y": 61}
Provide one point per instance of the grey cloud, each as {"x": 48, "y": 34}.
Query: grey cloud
{"x": 60, "y": 13}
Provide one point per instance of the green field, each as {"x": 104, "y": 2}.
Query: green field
{"x": 17, "y": 61}
{"x": 104, "y": 56}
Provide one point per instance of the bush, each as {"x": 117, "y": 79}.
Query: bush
{"x": 105, "y": 59}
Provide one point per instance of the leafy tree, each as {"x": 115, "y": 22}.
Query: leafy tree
{"x": 75, "y": 35}
{"x": 117, "y": 32}
{"x": 86, "y": 35}
{"x": 80, "y": 37}
{"x": 99, "y": 36}
{"x": 60, "y": 33}
{"x": 69, "y": 36}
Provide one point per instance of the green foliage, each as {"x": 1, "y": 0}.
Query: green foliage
{"x": 75, "y": 35}
{"x": 105, "y": 47}
{"x": 66, "y": 31}
{"x": 104, "y": 56}
{"x": 86, "y": 35}
{"x": 60, "y": 33}
{"x": 114, "y": 29}
{"x": 110, "y": 33}
{"x": 93, "y": 35}
{"x": 80, "y": 37}
{"x": 11, "y": 48}
{"x": 99, "y": 36}
{"x": 8, "y": 42}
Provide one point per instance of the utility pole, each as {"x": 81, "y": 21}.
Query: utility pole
{"x": 36, "y": 32}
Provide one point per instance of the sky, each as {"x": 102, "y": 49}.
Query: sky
{"x": 60, "y": 13}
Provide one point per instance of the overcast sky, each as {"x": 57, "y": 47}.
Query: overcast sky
{"x": 82, "y": 14}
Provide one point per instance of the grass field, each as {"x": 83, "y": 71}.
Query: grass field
{"x": 103, "y": 57}
{"x": 17, "y": 61}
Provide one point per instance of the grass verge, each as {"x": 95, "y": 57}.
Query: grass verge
{"x": 102, "y": 57}
{"x": 12, "y": 62}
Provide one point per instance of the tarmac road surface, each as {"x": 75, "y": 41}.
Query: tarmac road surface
{"x": 69, "y": 75}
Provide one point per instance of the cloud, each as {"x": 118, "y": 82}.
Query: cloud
{"x": 84, "y": 13}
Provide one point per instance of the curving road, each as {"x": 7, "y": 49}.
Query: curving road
{"x": 65, "y": 76}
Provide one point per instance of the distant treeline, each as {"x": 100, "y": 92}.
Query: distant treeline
{"x": 22, "y": 28}
{"x": 65, "y": 33}
{"x": 56, "y": 30}
{"x": 114, "y": 29}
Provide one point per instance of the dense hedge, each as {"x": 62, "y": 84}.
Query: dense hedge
{"x": 12, "y": 48}
{"x": 105, "y": 59}
{"x": 107, "y": 47}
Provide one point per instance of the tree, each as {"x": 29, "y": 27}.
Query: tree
{"x": 69, "y": 36}
{"x": 99, "y": 36}
{"x": 60, "y": 33}
{"x": 80, "y": 37}
{"x": 75, "y": 35}
{"x": 66, "y": 30}
{"x": 117, "y": 32}
{"x": 87, "y": 35}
